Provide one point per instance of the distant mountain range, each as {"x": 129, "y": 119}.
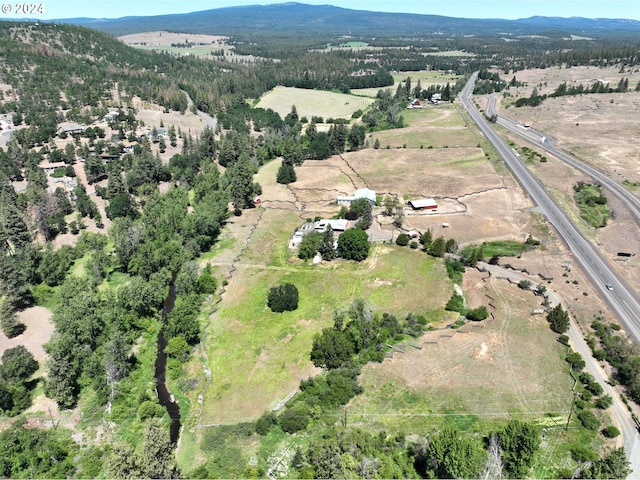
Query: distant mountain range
{"x": 303, "y": 19}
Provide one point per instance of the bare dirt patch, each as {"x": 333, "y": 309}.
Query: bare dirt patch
{"x": 38, "y": 332}
{"x": 474, "y": 287}
{"x": 163, "y": 38}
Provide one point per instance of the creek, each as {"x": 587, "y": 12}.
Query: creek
{"x": 164, "y": 397}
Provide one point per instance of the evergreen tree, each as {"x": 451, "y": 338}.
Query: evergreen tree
{"x": 437, "y": 247}
{"x": 207, "y": 144}
{"x": 356, "y": 137}
{"x": 337, "y": 138}
{"x": 14, "y": 233}
{"x": 9, "y": 322}
{"x": 426, "y": 238}
{"x": 327, "y": 249}
{"x": 241, "y": 188}
{"x": 558, "y": 318}
{"x": 286, "y": 173}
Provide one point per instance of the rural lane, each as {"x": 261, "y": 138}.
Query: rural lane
{"x": 208, "y": 119}
{"x": 622, "y": 299}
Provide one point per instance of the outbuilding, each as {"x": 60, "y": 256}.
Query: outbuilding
{"x": 423, "y": 204}
{"x": 365, "y": 193}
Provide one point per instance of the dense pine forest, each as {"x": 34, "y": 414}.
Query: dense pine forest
{"x": 107, "y": 291}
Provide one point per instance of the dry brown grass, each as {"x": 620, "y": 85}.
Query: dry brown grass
{"x": 601, "y": 130}
{"x": 496, "y": 371}
{"x": 39, "y": 330}
{"x": 164, "y": 39}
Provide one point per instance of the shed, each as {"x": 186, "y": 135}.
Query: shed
{"x": 423, "y": 204}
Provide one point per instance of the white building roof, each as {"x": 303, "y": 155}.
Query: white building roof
{"x": 339, "y": 224}
{"x": 365, "y": 193}
{"x": 423, "y": 203}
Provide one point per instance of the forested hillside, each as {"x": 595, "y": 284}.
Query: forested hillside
{"x": 69, "y": 94}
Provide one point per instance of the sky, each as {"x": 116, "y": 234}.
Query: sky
{"x": 507, "y": 9}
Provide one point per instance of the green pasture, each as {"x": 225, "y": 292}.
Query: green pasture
{"x": 203, "y": 51}
{"x": 503, "y": 248}
{"x": 313, "y": 102}
{"x": 258, "y": 357}
{"x": 426, "y": 77}
{"x": 432, "y": 126}
{"x": 433, "y": 138}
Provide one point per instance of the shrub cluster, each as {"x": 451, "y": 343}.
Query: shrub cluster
{"x": 456, "y": 304}
{"x": 623, "y": 356}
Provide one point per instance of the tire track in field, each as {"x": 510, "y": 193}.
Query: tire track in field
{"x": 507, "y": 312}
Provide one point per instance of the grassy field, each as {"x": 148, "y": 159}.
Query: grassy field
{"x": 440, "y": 126}
{"x": 471, "y": 379}
{"x": 503, "y": 248}
{"x": 312, "y": 102}
{"x": 259, "y": 357}
{"x": 426, "y": 77}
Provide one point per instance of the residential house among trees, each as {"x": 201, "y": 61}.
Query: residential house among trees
{"x": 71, "y": 128}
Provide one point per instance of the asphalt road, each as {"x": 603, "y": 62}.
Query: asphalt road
{"x": 208, "y": 119}
{"x": 621, "y": 299}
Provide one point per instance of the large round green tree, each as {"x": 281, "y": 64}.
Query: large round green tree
{"x": 354, "y": 244}
{"x": 283, "y": 298}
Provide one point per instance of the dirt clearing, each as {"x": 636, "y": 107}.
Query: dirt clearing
{"x": 38, "y": 332}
